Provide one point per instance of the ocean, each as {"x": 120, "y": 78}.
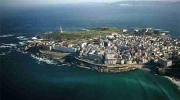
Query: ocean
{"x": 24, "y": 77}
{"x": 77, "y": 17}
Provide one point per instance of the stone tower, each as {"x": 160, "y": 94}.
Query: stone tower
{"x": 61, "y": 30}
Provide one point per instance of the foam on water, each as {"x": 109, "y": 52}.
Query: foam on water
{"x": 7, "y": 35}
{"x": 39, "y": 60}
{"x": 22, "y": 43}
{"x": 22, "y": 38}
{"x": 11, "y": 45}
{"x": 176, "y": 82}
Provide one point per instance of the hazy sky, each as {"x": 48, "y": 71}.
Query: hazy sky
{"x": 50, "y": 2}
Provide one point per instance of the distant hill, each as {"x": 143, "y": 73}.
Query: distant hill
{"x": 145, "y": 3}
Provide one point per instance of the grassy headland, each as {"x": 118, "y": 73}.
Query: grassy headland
{"x": 95, "y": 32}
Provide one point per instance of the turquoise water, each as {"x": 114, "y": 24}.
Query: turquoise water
{"x": 25, "y": 79}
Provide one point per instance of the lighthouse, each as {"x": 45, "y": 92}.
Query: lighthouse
{"x": 61, "y": 30}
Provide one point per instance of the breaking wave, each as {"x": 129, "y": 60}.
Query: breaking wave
{"x": 22, "y": 43}
{"x": 47, "y": 61}
{"x": 174, "y": 81}
{"x": 22, "y": 38}
{"x": 7, "y": 35}
{"x": 3, "y": 45}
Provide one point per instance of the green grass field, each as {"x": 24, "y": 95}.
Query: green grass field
{"x": 81, "y": 34}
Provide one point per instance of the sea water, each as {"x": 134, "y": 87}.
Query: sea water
{"x": 26, "y": 78}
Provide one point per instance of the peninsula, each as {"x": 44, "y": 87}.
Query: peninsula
{"x": 111, "y": 49}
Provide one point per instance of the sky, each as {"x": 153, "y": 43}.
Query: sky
{"x": 50, "y": 2}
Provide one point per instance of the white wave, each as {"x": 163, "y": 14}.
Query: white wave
{"x": 3, "y": 45}
{"x": 63, "y": 65}
{"x": 22, "y": 43}
{"x": 174, "y": 81}
{"x": 60, "y": 65}
{"x": 22, "y": 38}
{"x": 84, "y": 29}
{"x": 34, "y": 38}
{"x": 43, "y": 60}
{"x": 7, "y": 35}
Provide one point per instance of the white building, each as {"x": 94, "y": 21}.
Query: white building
{"x": 122, "y": 61}
{"x": 144, "y": 60}
{"x": 110, "y": 58}
{"x": 125, "y": 30}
